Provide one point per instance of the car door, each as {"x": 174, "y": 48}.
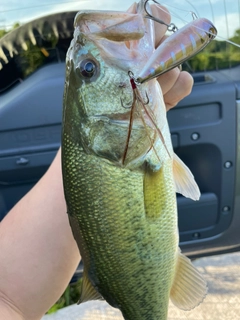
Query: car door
{"x": 204, "y": 127}
{"x": 205, "y": 134}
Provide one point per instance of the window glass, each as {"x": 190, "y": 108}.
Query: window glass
{"x": 45, "y": 40}
{"x": 217, "y": 55}
{"x": 33, "y": 45}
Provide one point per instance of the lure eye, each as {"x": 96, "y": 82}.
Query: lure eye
{"x": 87, "y": 68}
{"x": 212, "y": 33}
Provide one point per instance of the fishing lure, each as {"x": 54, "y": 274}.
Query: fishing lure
{"x": 182, "y": 45}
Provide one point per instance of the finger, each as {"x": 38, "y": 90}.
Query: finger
{"x": 163, "y": 14}
{"x": 168, "y": 79}
{"x": 180, "y": 89}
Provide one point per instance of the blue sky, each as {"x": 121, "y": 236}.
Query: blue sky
{"x": 224, "y": 13}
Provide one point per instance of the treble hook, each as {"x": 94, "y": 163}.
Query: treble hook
{"x": 147, "y": 102}
{"x": 130, "y": 106}
{"x": 134, "y": 84}
{"x": 170, "y": 27}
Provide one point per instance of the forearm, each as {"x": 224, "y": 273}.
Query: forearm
{"x": 37, "y": 263}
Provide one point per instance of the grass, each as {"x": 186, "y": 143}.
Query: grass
{"x": 70, "y": 296}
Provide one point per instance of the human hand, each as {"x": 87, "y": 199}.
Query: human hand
{"x": 175, "y": 84}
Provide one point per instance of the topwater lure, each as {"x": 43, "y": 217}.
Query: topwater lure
{"x": 182, "y": 45}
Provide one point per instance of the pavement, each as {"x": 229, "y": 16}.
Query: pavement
{"x": 222, "y": 302}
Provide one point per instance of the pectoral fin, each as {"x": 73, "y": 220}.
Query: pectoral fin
{"x": 189, "y": 288}
{"x": 154, "y": 195}
{"x": 184, "y": 180}
{"x": 87, "y": 291}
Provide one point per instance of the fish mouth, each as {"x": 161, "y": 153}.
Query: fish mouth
{"x": 121, "y": 120}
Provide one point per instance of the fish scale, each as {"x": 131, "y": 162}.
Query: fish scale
{"x": 113, "y": 192}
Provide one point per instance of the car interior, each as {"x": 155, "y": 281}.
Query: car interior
{"x": 205, "y": 129}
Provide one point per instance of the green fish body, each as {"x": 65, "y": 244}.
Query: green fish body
{"x": 123, "y": 214}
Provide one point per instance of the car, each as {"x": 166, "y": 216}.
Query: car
{"x": 205, "y": 130}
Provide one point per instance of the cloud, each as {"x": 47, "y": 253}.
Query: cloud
{"x": 226, "y": 26}
{"x": 224, "y": 14}
{"x": 93, "y": 5}
{"x": 180, "y": 9}
{"x": 12, "y": 11}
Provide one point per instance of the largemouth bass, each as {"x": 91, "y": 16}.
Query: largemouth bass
{"x": 120, "y": 172}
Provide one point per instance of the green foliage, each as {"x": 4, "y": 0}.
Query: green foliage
{"x": 217, "y": 55}
{"x": 4, "y": 31}
{"x": 34, "y": 55}
{"x": 70, "y": 296}
{"x": 31, "y": 58}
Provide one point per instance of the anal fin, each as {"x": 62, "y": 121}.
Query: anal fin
{"x": 189, "y": 288}
{"x": 88, "y": 292}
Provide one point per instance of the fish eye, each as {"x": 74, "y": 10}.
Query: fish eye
{"x": 87, "y": 68}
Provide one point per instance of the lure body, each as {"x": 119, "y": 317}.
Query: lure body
{"x": 179, "y": 47}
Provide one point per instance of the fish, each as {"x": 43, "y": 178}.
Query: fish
{"x": 120, "y": 173}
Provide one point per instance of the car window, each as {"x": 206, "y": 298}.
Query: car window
{"x": 46, "y": 39}
{"x": 225, "y": 15}
{"x": 30, "y": 46}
